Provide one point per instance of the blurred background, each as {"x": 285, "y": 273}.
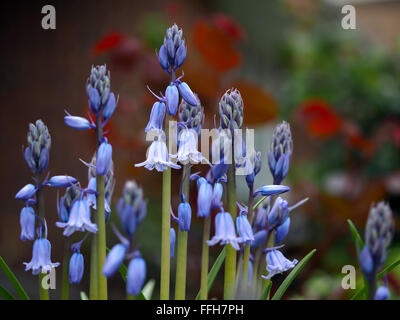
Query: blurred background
{"x": 290, "y": 59}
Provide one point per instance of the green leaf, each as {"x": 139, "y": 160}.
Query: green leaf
{"x": 122, "y": 268}
{"x": 7, "y": 295}
{"x": 267, "y": 291}
{"x": 259, "y": 202}
{"x": 14, "y": 281}
{"x": 359, "y": 243}
{"x": 84, "y": 296}
{"x": 148, "y": 289}
{"x": 288, "y": 280}
{"x": 214, "y": 271}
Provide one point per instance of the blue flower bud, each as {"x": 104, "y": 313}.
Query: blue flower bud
{"x": 225, "y": 231}
{"x": 94, "y": 100}
{"x": 26, "y": 192}
{"x": 77, "y": 123}
{"x": 244, "y": 229}
{"x": 217, "y": 195}
{"x": 367, "y": 264}
{"x": 27, "y": 222}
{"x": 204, "y": 199}
{"x": 219, "y": 170}
{"x": 30, "y": 161}
{"x": 170, "y": 49}
{"x": 279, "y": 213}
{"x": 43, "y": 160}
{"x": 109, "y": 107}
{"x": 172, "y": 97}
{"x": 114, "y": 259}
{"x": 277, "y": 263}
{"x": 136, "y": 276}
{"x": 270, "y": 190}
{"x": 104, "y": 156}
{"x": 156, "y": 117}
{"x": 382, "y": 293}
{"x": 187, "y": 94}
{"x": 172, "y": 238}
{"x": 282, "y": 231}
{"x": 61, "y": 181}
{"x": 41, "y": 258}
{"x": 180, "y": 55}
{"x": 163, "y": 58}
{"x": 185, "y": 216}
{"x": 76, "y": 268}
{"x": 259, "y": 238}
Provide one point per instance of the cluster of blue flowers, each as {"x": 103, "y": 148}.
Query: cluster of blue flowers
{"x": 131, "y": 210}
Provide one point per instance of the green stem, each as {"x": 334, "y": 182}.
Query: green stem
{"x": 204, "y": 259}
{"x": 101, "y": 223}
{"x": 43, "y": 293}
{"x": 165, "y": 227}
{"x": 230, "y": 262}
{"x": 65, "y": 271}
{"x": 181, "y": 261}
{"x": 246, "y": 254}
{"x": 93, "y": 291}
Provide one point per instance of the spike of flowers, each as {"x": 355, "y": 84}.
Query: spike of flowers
{"x": 37, "y": 152}
{"x": 231, "y": 110}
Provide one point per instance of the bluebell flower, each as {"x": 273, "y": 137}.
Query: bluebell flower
{"x": 173, "y": 51}
{"x": 187, "y": 148}
{"x": 282, "y": 231}
{"x": 187, "y": 94}
{"x": 37, "y": 152}
{"x": 156, "y": 117}
{"x": 184, "y": 216}
{"x": 225, "y": 231}
{"x": 94, "y": 100}
{"x": 26, "y": 192}
{"x": 61, "y": 181}
{"x": 136, "y": 276}
{"x": 259, "y": 238}
{"x": 104, "y": 158}
{"x": 270, "y": 190}
{"x": 41, "y": 257}
{"x": 279, "y": 213}
{"x": 114, "y": 259}
{"x": 172, "y": 238}
{"x": 218, "y": 190}
{"x": 98, "y": 89}
{"x": 204, "y": 198}
{"x": 244, "y": 229}
{"x": 77, "y": 123}
{"x": 76, "y": 268}
{"x": 163, "y": 58}
{"x": 277, "y": 263}
{"x": 27, "y": 222}
{"x": 382, "y": 293}
{"x": 79, "y": 219}
{"x": 110, "y": 107}
{"x": 64, "y": 204}
{"x": 157, "y": 157}
{"x": 366, "y": 261}
{"x": 172, "y": 99}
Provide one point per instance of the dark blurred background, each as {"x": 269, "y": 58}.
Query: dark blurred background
{"x": 291, "y": 60}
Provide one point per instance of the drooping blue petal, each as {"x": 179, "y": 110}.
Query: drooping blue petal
{"x": 172, "y": 97}
{"x": 104, "y": 158}
{"x": 156, "y": 117}
{"x": 27, "y": 222}
{"x": 244, "y": 229}
{"x": 114, "y": 259}
{"x": 61, "y": 181}
{"x": 382, "y": 293}
{"x": 204, "y": 199}
{"x": 282, "y": 231}
{"x": 187, "y": 94}
{"x": 136, "y": 276}
{"x": 26, "y": 192}
{"x": 76, "y": 268}
{"x": 217, "y": 195}
{"x": 77, "y": 123}
{"x": 259, "y": 238}
{"x": 270, "y": 190}
{"x": 184, "y": 216}
{"x": 278, "y": 214}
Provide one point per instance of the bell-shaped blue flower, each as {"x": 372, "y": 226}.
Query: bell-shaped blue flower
{"x": 76, "y": 268}
{"x": 136, "y": 276}
{"x": 279, "y": 213}
{"x": 259, "y": 238}
{"x": 187, "y": 149}
{"x": 244, "y": 229}
{"x": 61, "y": 181}
{"x": 158, "y": 157}
{"x": 172, "y": 238}
{"x": 172, "y": 99}
{"x": 270, "y": 190}
{"x": 114, "y": 259}
{"x": 27, "y": 222}
{"x": 94, "y": 100}
{"x": 41, "y": 258}
{"x": 277, "y": 263}
{"x": 382, "y": 293}
{"x": 109, "y": 107}
{"x": 217, "y": 195}
{"x": 184, "y": 216}
{"x": 282, "y": 231}
{"x": 104, "y": 158}
{"x": 180, "y": 55}
{"x": 77, "y": 123}
{"x": 204, "y": 199}
{"x": 225, "y": 231}
{"x": 366, "y": 261}
{"x": 156, "y": 117}
{"x": 26, "y": 192}
{"x": 261, "y": 218}
{"x": 187, "y": 94}
{"x": 91, "y": 197}
{"x": 79, "y": 219}
{"x": 163, "y": 58}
